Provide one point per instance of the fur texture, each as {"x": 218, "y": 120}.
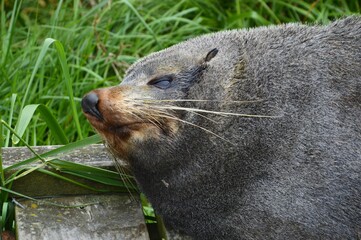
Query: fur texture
{"x": 293, "y": 175}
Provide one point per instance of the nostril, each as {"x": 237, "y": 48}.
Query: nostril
{"x": 90, "y": 100}
{"x": 89, "y": 103}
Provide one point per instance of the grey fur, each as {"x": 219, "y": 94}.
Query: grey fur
{"x": 294, "y": 176}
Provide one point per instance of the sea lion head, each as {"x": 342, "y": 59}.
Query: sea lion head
{"x": 143, "y": 109}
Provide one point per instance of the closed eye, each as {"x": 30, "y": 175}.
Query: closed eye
{"x": 163, "y": 82}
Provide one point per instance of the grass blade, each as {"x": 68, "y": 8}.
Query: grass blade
{"x": 66, "y": 179}
{"x": 6, "y": 44}
{"x": 63, "y": 149}
{"x": 141, "y": 19}
{"x": 13, "y": 99}
{"x": 96, "y": 174}
{"x": 68, "y": 82}
{"x": 42, "y": 53}
{"x": 27, "y": 114}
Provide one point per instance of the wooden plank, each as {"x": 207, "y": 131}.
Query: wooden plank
{"x": 109, "y": 217}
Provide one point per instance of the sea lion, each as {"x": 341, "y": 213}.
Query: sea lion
{"x": 245, "y": 134}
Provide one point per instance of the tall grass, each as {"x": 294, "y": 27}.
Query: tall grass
{"x": 52, "y": 54}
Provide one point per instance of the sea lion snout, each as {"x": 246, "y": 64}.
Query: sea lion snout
{"x": 89, "y": 103}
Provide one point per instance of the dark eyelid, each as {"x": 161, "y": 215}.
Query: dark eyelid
{"x": 158, "y": 80}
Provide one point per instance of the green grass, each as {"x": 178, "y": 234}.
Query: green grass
{"x": 51, "y": 55}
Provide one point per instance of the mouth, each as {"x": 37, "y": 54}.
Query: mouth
{"x": 119, "y": 129}
{"x": 125, "y": 129}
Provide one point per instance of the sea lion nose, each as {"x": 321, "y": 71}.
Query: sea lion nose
{"x": 89, "y": 103}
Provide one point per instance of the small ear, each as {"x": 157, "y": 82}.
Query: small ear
{"x": 211, "y": 54}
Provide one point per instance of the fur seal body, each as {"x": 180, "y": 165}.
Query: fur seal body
{"x": 245, "y": 134}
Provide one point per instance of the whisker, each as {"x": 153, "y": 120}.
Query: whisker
{"x": 137, "y": 112}
{"x": 193, "y": 100}
{"x": 123, "y": 175}
{"x": 147, "y": 101}
{"x": 195, "y": 125}
{"x": 154, "y": 120}
{"x": 201, "y": 115}
{"x": 214, "y": 112}
{"x": 131, "y": 112}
